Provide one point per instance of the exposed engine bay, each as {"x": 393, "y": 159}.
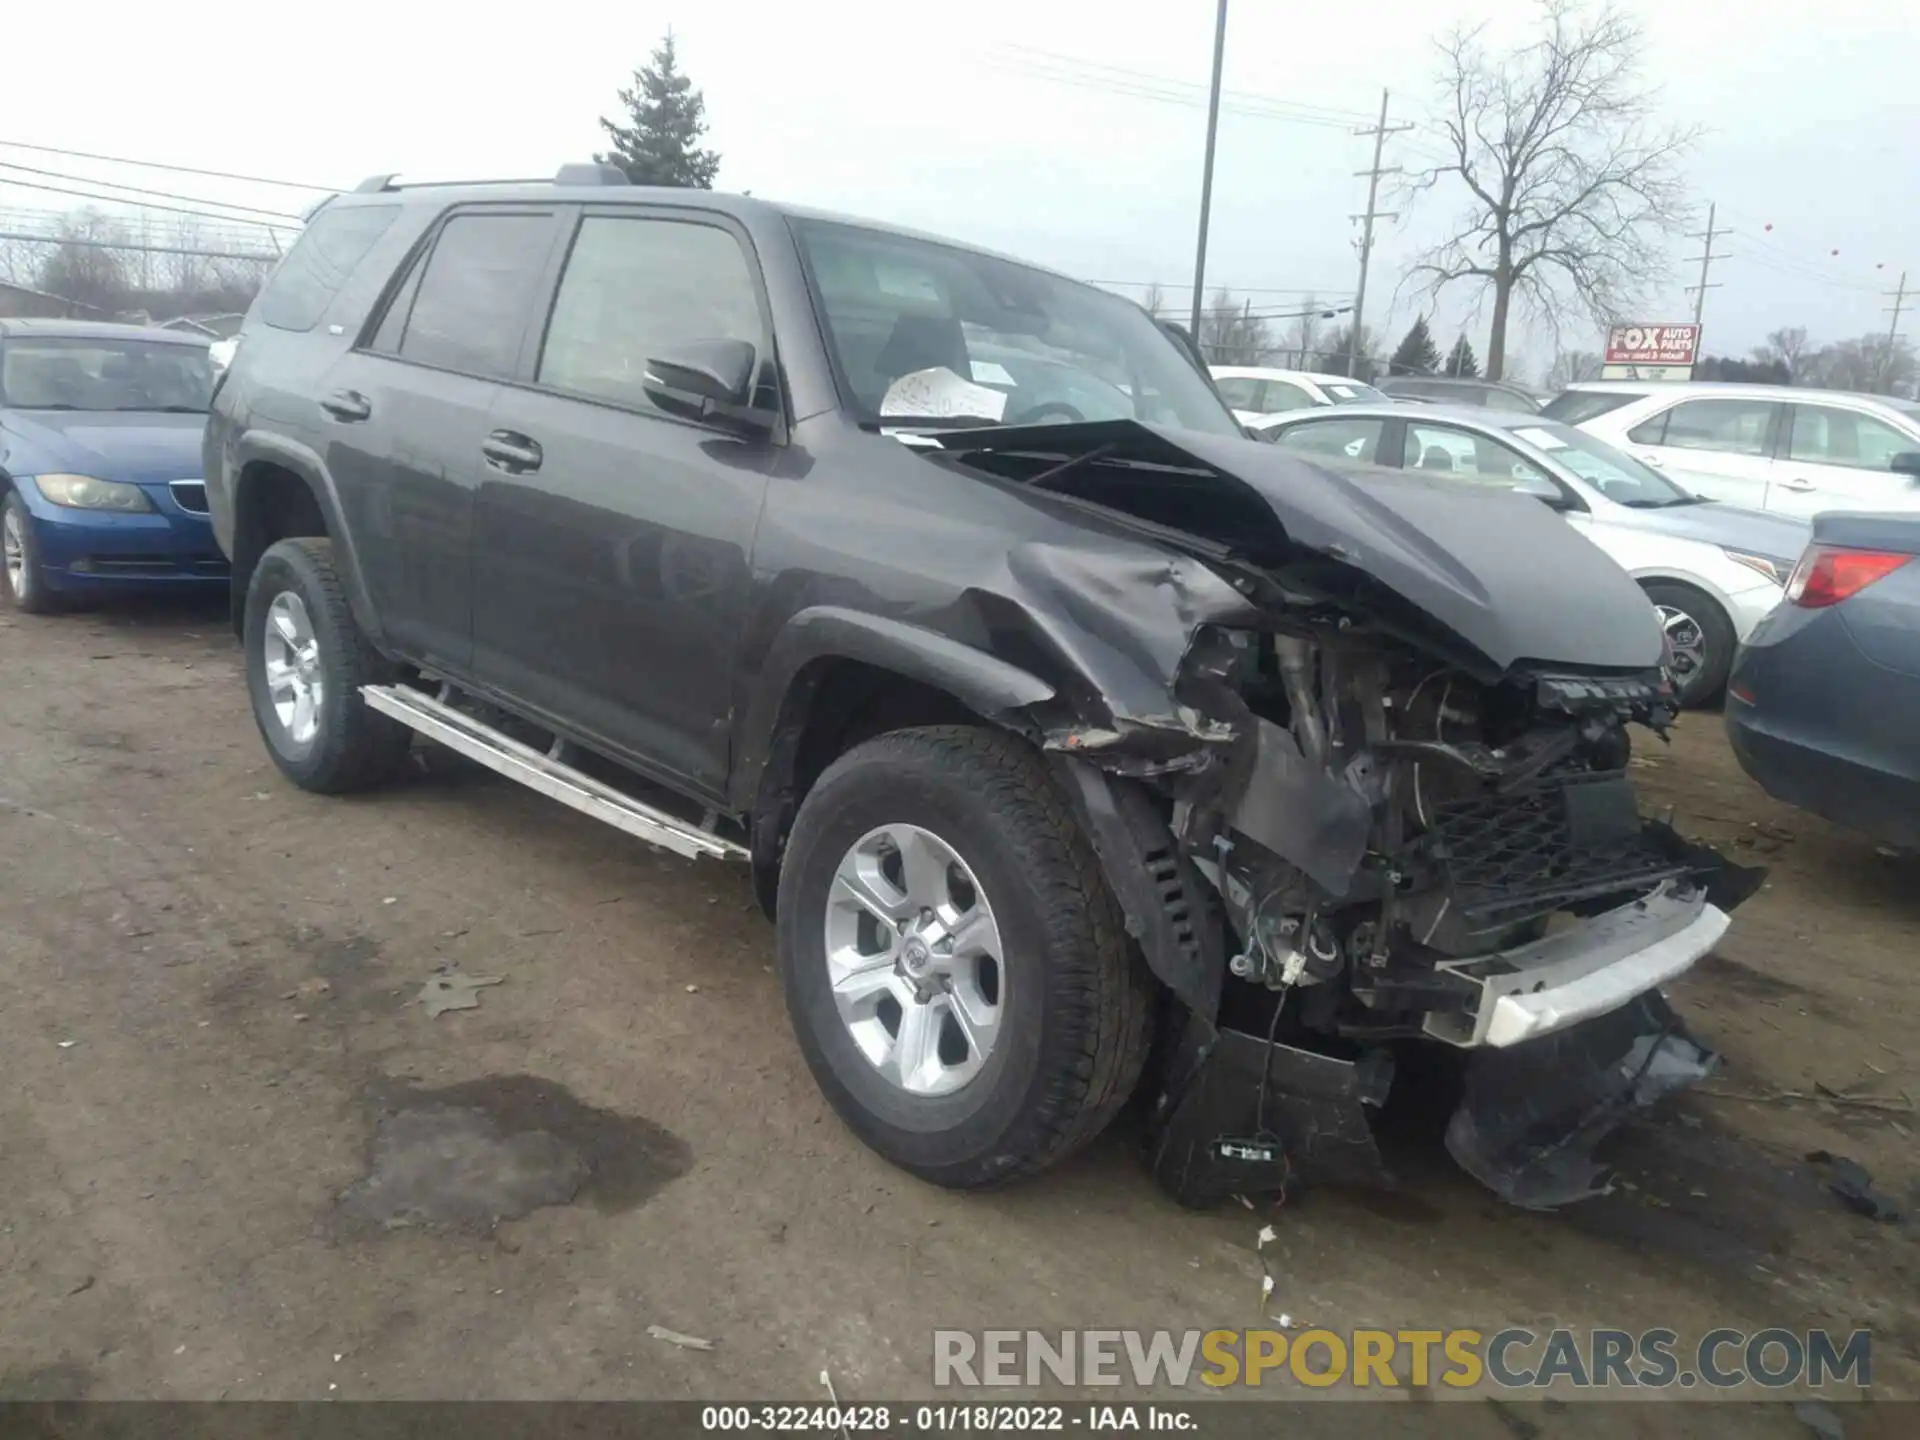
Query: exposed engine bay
{"x": 1354, "y": 821}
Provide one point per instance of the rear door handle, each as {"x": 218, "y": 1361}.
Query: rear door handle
{"x": 1799, "y": 487}
{"x": 1653, "y": 460}
{"x": 512, "y": 452}
{"x": 347, "y": 405}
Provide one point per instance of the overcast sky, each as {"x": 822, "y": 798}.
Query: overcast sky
{"x": 984, "y": 120}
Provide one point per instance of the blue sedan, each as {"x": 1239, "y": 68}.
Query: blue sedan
{"x": 100, "y": 485}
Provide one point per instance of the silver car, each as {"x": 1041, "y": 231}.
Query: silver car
{"x": 1713, "y": 571}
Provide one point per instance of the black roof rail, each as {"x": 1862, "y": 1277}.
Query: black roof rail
{"x": 590, "y": 172}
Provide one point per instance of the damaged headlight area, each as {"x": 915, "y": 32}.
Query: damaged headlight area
{"x": 1401, "y": 853}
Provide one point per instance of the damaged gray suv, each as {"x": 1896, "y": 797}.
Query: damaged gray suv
{"x": 1060, "y": 724}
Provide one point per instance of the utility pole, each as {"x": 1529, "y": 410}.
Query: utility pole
{"x": 1379, "y": 133}
{"x": 1206, "y": 173}
{"x": 1706, "y": 257}
{"x": 1899, "y": 298}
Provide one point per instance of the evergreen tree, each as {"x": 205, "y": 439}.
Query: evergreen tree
{"x": 1462, "y": 363}
{"x": 1417, "y": 354}
{"x": 665, "y": 118}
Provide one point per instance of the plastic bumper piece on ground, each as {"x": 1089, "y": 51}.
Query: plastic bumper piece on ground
{"x": 1531, "y": 1115}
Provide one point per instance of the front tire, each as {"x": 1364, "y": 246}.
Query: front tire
{"x": 306, "y": 661}
{"x": 22, "y": 574}
{"x": 957, "y": 973}
{"x": 1701, "y": 638}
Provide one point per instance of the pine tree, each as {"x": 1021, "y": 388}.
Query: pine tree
{"x": 666, "y": 117}
{"x": 1462, "y": 363}
{"x": 1417, "y": 354}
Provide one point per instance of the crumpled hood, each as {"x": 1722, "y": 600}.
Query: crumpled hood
{"x": 1501, "y": 570}
{"x": 1758, "y": 532}
{"x": 137, "y": 445}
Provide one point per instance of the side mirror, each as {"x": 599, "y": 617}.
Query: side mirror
{"x": 1907, "y": 463}
{"x": 709, "y": 380}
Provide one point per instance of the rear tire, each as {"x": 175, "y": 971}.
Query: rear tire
{"x": 22, "y": 575}
{"x": 1699, "y": 630}
{"x": 306, "y": 661}
{"x": 1069, "y": 1000}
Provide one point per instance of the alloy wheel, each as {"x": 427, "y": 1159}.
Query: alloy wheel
{"x": 295, "y": 682}
{"x": 1686, "y": 645}
{"x": 13, "y": 545}
{"x": 914, "y": 960}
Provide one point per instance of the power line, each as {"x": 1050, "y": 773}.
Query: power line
{"x": 1165, "y": 92}
{"x": 1706, "y": 258}
{"x": 261, "y": 257}
{"x": 143, "y": 190}
{"x": 158, "y": 165}
{"x": 144, "y": 205}
{"x": 1379, "y": 133}
{"x": 1322, "y": 114}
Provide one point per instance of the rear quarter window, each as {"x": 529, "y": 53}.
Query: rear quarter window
{"x": 320, "y": 264}
{"x": 1575, "y": 407}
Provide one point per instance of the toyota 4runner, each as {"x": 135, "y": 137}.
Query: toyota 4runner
{"x": 1058, "y": 721}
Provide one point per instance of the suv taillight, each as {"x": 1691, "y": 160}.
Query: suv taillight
{"x": 1828, "y": 574}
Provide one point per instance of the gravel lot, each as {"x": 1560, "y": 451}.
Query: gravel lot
{"x": 204, "y": 977}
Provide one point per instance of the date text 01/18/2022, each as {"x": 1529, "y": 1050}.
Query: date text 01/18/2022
{"x": 935, "y": 1419}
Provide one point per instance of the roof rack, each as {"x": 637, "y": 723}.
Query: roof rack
{"x": 582, "y": 173}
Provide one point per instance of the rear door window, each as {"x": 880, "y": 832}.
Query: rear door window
{"x": 1355, "y": 439}
{"x": 477, "y": 292}
{"x": 1279, "y": 395}
{"x": 1728, "y": 427}
{"x": 1826, "y": 435}
{"x": 1242, "y": 392}
{"x": 635, "y": 286}
{"x": 321, "y": 262}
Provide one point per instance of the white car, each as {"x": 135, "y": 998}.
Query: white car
{"x": 1767, "y": 447}
{"x": 1712, "y": 571}
{"x": 1252, "y": 391}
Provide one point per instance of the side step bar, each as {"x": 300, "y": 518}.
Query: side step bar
{"x": 502, "y": 753}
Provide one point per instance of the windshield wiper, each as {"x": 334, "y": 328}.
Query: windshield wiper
{"x": 160, "y": 409}
{"x": 1674, "y": 503}
{"x": 933, "y": 422}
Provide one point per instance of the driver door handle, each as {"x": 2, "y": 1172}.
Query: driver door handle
{"x": 1653, "y": 460}
{"x": 1799, "y": 487}
{"x": 347, "y": 405}
{"x": 512, "y": 452}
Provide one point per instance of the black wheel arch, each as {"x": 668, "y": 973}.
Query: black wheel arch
{"x": 282, "y": 490}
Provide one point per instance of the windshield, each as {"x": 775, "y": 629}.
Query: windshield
{"x": 1615, "y": 474}
{"x": 1352, "y": 392}
{"x": 103, "y": 374}
{"x": 924, "y": 333}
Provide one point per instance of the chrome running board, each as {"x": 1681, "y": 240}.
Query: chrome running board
{"x": 480, "y": 742}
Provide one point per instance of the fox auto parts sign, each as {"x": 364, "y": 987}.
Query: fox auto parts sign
{"x": 1652, "y": 345}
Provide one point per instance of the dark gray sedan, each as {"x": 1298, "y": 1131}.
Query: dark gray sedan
{"x": 1823, "y": 706}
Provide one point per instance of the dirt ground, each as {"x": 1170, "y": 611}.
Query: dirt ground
{"x": 204, "y": 977}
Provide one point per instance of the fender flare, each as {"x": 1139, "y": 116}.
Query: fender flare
{"x": 259, "y": 446}
{"x": 985, "y": 684}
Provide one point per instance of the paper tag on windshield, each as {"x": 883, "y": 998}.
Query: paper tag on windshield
{"x": 939, "y": 394}
{"x": 1541, "y": 439}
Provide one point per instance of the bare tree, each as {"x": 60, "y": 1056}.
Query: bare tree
{"x": 1303, "y": 336}
{"x": 1155, "y": 300}
{"x": 1571, "y": 183}
{"x": 1570, "y": 366}
{"x": 1866, "y": 363}
{"x": 1230, "y": 334}
{"x": 81, "y": 268}
{"x": 1789, "y": 346}
{"x": 1335, "y": 352}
